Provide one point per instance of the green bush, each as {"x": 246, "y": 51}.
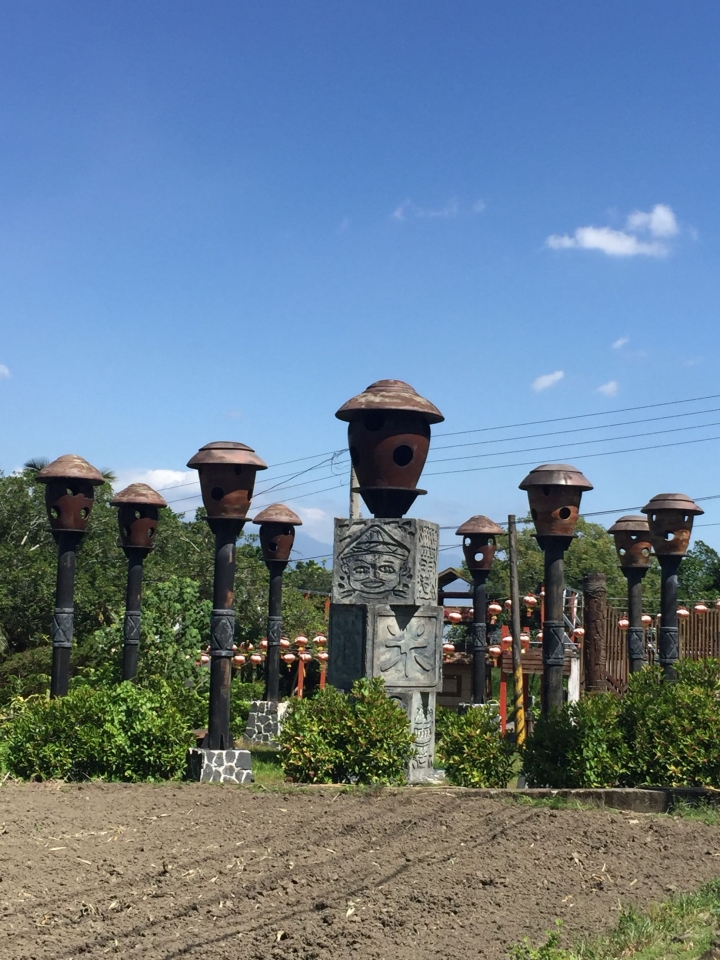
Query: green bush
{"x": 672, "y": 728}
{"x": 581, "y": 745}
{"x": 658, "y": 734}
{"x": 123, "y": 732}
{"x": 363, "y": 737}
{"x": 472, "y": 750}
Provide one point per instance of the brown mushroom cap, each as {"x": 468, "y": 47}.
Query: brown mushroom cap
{"x": 70, "y": 467}
{"x": 278, "y": 513}
{"x": 139, "y": 493}
{"x": 390, "y": 395}
{"x": 632, "y": 523}
{"x": 673, "y": 501}
{"x": 479, "y": 524}
{"x": 226, "y": 451}
{"x": 556, "y": 474}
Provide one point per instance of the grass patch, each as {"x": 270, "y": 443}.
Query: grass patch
{"x": 685, "y": 926}
{"x": 703, "y": 810}
{"x": 549, "y": 803}
{"x": 266, "y": 766}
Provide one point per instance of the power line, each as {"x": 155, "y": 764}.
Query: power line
{"x": 585, "y": 456}
{"x": 577, "y": 443}
{"x": 580, "y": 416}
{"x": 598, "y": 426}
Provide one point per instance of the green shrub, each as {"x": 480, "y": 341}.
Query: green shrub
{"x": 657, "y": 734}
{"x": 581, "y": 745}
{"x": 123, "y": 732}
{"x": 472, "y": 750}
{"x": 363, "y": 737}
{"x": 672, "y": 728}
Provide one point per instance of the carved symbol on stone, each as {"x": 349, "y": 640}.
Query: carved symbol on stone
{"x": 405, "y": 647}
{"x": 374, "y": 565}
{"x": 423, "y": 730}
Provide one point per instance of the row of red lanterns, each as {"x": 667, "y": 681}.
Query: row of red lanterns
{"x": 247, "y": 653}
{"x": 682, "y": 612}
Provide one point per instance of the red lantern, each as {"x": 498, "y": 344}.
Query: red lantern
{"x": 700, "y": 608}
{"x": 683, "y": 612}
{"x": 623, "y": 623}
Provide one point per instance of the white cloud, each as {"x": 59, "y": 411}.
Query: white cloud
{"x": 4, "y": 372}
{"x": 620, "y": 342}
{"x": 547, "y": 380}
{"x": 659, "y": 222}
{"x": 615, "y": 243}
{"x": 344, "y": 225}
{"x": 317, "y": 523}
{"x": 409, "y": 209}
{"x": 609, "y": 389}
{"x": 164, "y": 481}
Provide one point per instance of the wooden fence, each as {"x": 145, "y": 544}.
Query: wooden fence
{"x": 699, "y": 637}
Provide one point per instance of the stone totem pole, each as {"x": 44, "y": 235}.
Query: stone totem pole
{"x": 384, "y": 621}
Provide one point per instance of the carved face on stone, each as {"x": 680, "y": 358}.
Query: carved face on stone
{"x": 374, "y": 574}
{"x": 375, "y": 564}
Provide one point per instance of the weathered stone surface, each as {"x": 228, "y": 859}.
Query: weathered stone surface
{"x": 420, "y": 709}
{"x": 401, "y": 644}
{"x": 385, "y": 561}
{"x": 265, "y": 721}
{"x": 220, "y": 766}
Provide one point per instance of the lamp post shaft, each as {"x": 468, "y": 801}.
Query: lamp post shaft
{"x": 63, "y": 617}
{"x": 133, "y": 612}
{"x": 274, "y": 630}
{"x": 479, "y": 635}
{"x": 553, "y": 649}
{"x": 668, "y": 634}
{"x": 635, "y": 632}
{"x": 222, "y": 631}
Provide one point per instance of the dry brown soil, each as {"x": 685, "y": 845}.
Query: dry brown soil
{"x": 194, "y": 870}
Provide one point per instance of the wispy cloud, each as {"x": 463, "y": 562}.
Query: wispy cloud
{"x": 4, "y": 372}
{"x": 164, "y": 481}
{"x": 620, "y": 342}
{"x": 547, "y": 380}
{"x": 344, "y": 225}
{"x": 659, "y": 224}
{"x": 408, "y": 210}
{"x": 609, "y": 389}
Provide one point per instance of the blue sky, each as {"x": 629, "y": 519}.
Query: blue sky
{"x": 222, "y": 220}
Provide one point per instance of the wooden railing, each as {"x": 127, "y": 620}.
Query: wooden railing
{"x": 699, "y": 637}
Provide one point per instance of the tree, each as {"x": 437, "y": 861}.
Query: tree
{"x": 699, "y": 576}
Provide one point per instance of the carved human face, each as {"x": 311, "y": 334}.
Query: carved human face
{"x": 374, "y": 573}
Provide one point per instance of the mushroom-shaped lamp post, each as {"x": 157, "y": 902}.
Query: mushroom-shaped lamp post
{"x": 634, "y": 548}
{"x": 554, "y": 491}
{"x": 138, "y": 514}
{"x": 227, "y": 473}
{"x": 389, "y": 438}
{"x": 670, "y": 518}
{"x": 277, "y": 535}
{"x": 69, "y": 496}
{"x": 479, "y": 544}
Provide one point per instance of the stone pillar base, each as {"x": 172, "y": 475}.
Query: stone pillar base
{"x": 265, "y": 722}
{"x": 219, "y": 766}
{"x": 420, "y": 709}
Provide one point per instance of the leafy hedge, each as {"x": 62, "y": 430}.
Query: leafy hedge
{"x": 123, "y": 732}
{"x": 472, "y": 750}
{"x": 657, "y": 734}
{"x": 363, "y": 737}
